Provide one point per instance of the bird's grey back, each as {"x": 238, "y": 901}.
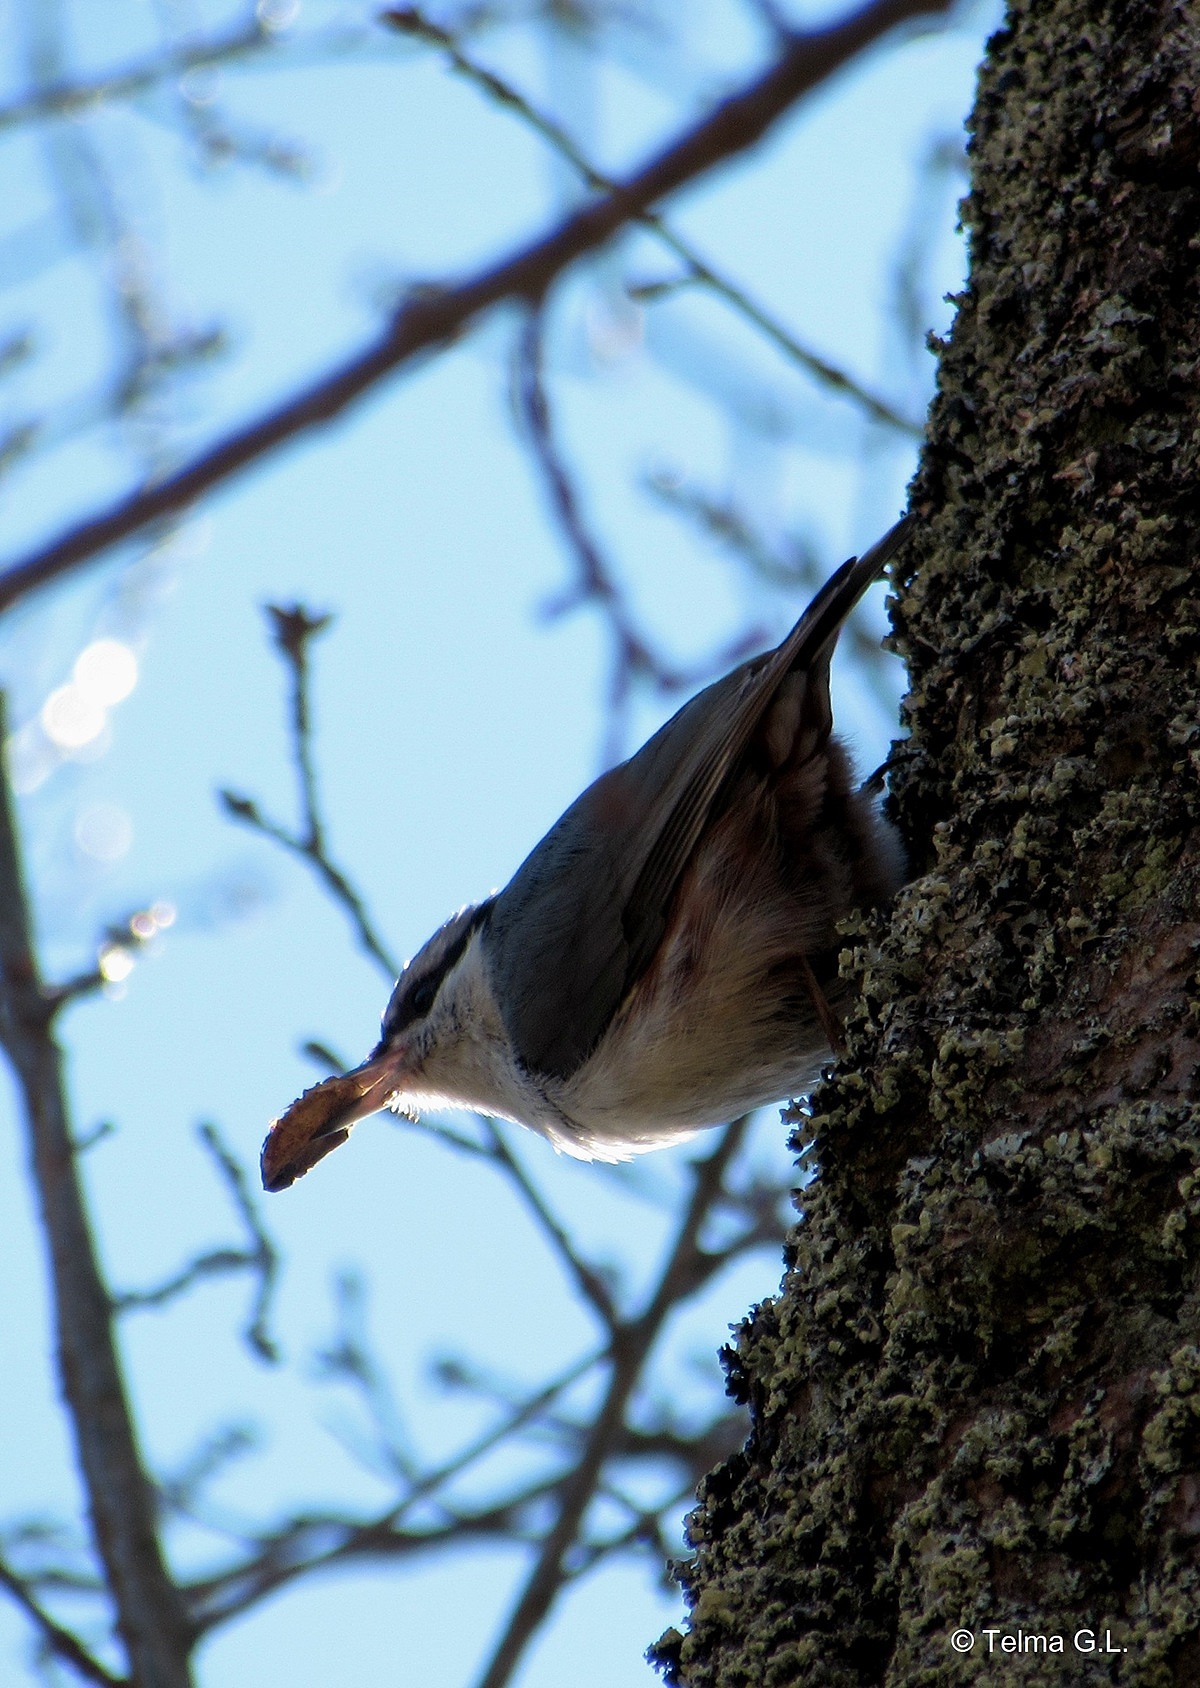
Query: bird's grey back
{"x": 578, "y": 923}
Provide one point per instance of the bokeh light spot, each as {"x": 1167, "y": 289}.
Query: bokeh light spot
{"x": 70, "y": 719}
{"x": 105, "y": 672}
{"x": 103, "y": 831}
{"x": 116, "y": 963}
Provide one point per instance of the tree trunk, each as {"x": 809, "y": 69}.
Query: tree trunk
{"x": 976, "y": 1403}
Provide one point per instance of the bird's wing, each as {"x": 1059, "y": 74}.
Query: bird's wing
{"x": 582, "y": 917}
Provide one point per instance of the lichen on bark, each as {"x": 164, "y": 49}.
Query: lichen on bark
{"x": 976, "y": 1400}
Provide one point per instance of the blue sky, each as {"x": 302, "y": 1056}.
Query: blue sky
{"x": 453, "y": 725}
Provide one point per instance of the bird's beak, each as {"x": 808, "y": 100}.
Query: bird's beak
{"x": 319, "y": 1120}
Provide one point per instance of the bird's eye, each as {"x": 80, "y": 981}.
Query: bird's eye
{"x": 421, "y": 1000}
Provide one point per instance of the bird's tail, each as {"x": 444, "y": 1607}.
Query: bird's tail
{"x": 818, "y": 627}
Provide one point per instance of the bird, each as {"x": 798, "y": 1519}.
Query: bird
{"x": 666, "y": 958}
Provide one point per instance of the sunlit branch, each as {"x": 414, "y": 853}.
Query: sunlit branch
{"x": 130, "y": 935}
{"x": 432, "y": 318}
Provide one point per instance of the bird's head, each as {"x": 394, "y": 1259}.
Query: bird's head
{"x": 442, "y": 1041}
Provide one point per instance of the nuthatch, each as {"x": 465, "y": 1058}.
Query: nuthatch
{"x": 666, "y": 956}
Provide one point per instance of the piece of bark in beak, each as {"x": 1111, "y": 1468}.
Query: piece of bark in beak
{"x": 317, "y": 1122}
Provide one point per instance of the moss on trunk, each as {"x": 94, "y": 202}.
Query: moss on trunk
{"x": 976, "y": 1402}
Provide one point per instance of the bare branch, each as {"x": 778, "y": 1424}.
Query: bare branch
{"x": 293, "y": 629}
{"x": 58, "y": 1640}
{"x": 728, "y": 528}
{"x": 412, "y": 21}
{"x": 635, "y": 1341}
{"x": 261, "y": 1258}
{"x": 75, "y": 989}
{"x": 313, "y": 1542}
{"x": 697, "y": 1451}
{"x": 180, "y": 1493}
{"x": 309, "y": 1543}
{"x": 302, "y": 1546}
{"x": 349, "y": 1359}
{"x": 595, "y": 583}
{"x": 326, "y": 1058}
{"x": 130, "y": 936}
{"x": 588, "y": 1280}
{"x": 633, "y": 658}
{"x": 106, "y": 1128}
{"x": 443, "y": 1133}
{"x": 150, "y": 1614}
{"x": 434, "y": 317}
{"x": 773, "y": 17}
{"x": 519, "y": 1416}
{"x": 792, "y": 564}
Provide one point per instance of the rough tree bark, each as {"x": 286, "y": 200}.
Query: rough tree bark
{"x": 977, "y": 1400}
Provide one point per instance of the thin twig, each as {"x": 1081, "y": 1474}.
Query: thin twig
{"x": 293, "y": 628}
{"x": 412, "y": 21}
{"x": 75, "y": 989}
{"x": 646, "y": 1529}
{"x": 349, "y": 1359}
{"x": 261, "y": 1258}
{"x": 60, "y": 1641}
{"x": 320, "y": 1542}
{"x": 588, "y": 1280}
{"x": 216, "y": 1599}
{"x": 444, "y": 1134}
{"x": 596, "y": 582}
{"x": 180, "y": 1493}
{"x": 132, "y": 934}
{"x": 774, "y": 17}
{"x": 633, "y": 658}
{"x": 64, "y": 99}
{"x": 434, "y": 317}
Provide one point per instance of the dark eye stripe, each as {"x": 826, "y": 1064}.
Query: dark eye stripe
{"x": 420, "y": 996}
{"x": 418, "y": 999}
